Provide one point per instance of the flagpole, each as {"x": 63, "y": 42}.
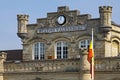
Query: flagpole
{"x": 92, "y": 75}
{"x": 92, "y": 37}
{"x": 91, "y": 57}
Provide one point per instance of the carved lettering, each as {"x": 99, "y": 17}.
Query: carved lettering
{"x": 61, "y": 29}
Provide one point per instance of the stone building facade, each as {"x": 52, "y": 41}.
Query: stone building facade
{"x": 55, "y": 47}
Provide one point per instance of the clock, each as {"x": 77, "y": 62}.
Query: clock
{"x": 61, "y": 20}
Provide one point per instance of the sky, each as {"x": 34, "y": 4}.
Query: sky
{"x": 39, "y": 9}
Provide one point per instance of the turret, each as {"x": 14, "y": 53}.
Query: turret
{"x": 105, "y": 15}
{"x": 22, "y": 22}
{"x": 105, "y": 18}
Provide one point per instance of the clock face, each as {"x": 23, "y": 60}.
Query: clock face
{"x": 61, "y": 20}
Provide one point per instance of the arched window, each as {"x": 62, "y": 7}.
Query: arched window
{"x": 84, "y": 43}
{"x": 115, "y": 48}
{"x": 61, "y": 50}
{"x": 39, "y": 50}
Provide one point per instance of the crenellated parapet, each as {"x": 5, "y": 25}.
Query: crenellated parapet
{"x": 103, "y": 9}
{"x": 22, "y": 17}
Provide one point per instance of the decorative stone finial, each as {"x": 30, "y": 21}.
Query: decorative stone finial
{"x": 3, "y": 56}
{"x": 63, "y": 8}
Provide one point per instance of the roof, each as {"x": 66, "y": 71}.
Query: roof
{"x": 13, "y": 55}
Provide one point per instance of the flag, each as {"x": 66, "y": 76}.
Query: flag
{"x": 90, "y": 52}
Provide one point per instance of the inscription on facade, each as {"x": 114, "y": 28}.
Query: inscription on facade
{"x": 61, "y": 29}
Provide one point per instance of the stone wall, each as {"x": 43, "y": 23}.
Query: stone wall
{"x": 105, "y": 68}
{"x": 69, "y": 65}
{"x": 42, "y": 76}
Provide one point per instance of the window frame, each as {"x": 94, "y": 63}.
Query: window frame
{"x": 85, "y": 43}
{"x": 38, "y": 51}
{"x": 63, "y": 47}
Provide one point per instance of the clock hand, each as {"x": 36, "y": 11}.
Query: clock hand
{"x": 60, "y": 18}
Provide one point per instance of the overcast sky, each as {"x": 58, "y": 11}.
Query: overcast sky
{"x": 38, "y": 9}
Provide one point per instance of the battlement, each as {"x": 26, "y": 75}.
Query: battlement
{"x": 105, "y": 9}
{"x": 22, "y": 17}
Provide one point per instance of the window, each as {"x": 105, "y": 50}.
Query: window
{"x": 84, "y": 43}
{"x": 61, "y": 50}
{"x": 115, "y": 48}
{"x": 39, "y": 50}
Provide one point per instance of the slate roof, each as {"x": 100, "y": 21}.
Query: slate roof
{"x": 13, "y": 55}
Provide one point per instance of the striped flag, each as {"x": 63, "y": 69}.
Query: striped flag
{"x": 90, "y": 52}
{"x": 90, "y": 57}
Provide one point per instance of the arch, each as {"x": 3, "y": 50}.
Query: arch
{"x": 84, "y": 36}
{"x": 37, "y": 40}
{"x": 115, "y": 47}
{"x": 115, "y": 38}
{"x": 61, "y": 39}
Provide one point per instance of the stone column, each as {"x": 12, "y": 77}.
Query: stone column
{"x": 85, "y": 66}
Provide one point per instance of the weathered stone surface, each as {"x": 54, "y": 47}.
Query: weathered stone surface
{"x": 106, "y": 47}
